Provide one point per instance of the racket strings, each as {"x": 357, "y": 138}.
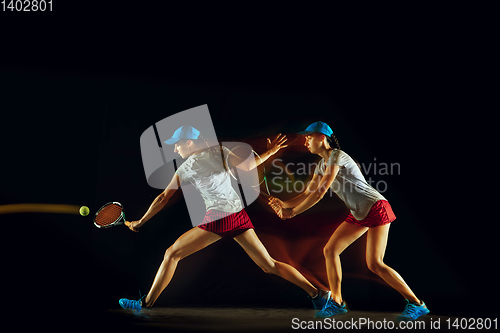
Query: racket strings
{"x": 108, "y": 215}
{"x": 251, "y": 177}
{"x": 238, "y": 156}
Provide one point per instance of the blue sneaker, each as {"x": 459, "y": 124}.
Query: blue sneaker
{"x": 412, "y": 311}
{"x": 135, "y": 306}
{"x": 331, "y": 308}
{"x": 320, "y": 301}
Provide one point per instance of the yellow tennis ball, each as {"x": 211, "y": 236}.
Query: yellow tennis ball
{"x": 84, "y": 211}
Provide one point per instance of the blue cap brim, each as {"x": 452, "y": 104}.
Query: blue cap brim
{"x": 305, "y": 132}
{"x": 171, "y": 141}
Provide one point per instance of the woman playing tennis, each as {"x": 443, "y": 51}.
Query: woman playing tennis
{"x": 225, "y": 216}
{"x": 370, "y": 213}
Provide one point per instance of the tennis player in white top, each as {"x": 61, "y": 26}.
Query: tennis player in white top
{"x": 370, "y": 213}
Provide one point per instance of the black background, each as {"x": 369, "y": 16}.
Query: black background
{"x": 79, "y": 86}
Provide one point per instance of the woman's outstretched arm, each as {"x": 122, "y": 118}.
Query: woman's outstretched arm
{"x": 157, "y": 205}
{"x": 310, "y": 197}
{"x": 272, "y": 148}
{"x": 294, "y": 202}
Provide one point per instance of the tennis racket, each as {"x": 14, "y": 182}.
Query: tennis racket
{"x": 109, "y": 215}
{"x": 244, "y": 154}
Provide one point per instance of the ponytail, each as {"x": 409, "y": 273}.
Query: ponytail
{"x": 213, "y": 150}
{"x": 336, "y": 140}
{"x": 332, "y": 139}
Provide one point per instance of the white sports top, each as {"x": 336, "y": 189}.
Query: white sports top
{"x": 350, "y": 184}
{"x": 206, "y": 172}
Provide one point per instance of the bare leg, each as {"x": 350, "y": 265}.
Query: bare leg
{"x": 344, "y": 236}
{"x": 376, "y": 244}
{"x": 189, "y": 243}
{"x": 256, "y": 250}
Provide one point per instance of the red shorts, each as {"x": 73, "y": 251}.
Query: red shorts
{"x": 226, "y": 224}
{"x": 380, "y": 214}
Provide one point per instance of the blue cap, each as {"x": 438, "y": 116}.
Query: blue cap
{"x": 318, "y": 127}
{"x": 183, "y": 132}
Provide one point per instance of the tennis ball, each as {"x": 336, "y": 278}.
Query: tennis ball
{"x": 84, "y": 211}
